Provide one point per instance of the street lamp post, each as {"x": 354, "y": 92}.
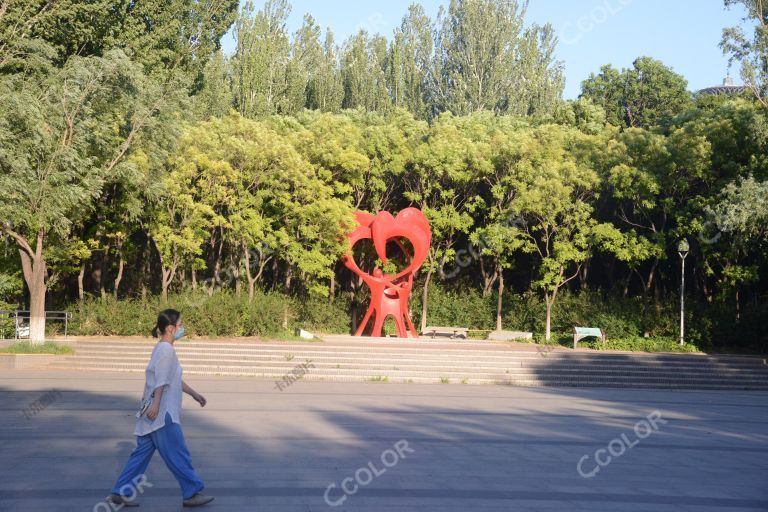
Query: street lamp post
{"x": 682, "y": 250}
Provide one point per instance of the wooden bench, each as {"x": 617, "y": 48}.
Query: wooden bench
{"x": 449, "y": 332}
{"x": 584, "y": 332}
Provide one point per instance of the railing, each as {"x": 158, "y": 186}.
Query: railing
{"x": 20, "y": 327}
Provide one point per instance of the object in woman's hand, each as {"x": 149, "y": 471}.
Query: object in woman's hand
{"x": 144, "y": 406}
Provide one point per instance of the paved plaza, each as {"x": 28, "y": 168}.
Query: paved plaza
{"x": 378, "y": 446}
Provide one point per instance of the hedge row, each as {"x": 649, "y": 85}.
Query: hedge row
{"x": 631, "y": 323}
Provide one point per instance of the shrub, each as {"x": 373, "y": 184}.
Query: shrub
{"x": 641, "y": 344}
{"x": 625, "y": 320}
{"x": 26, "y": 347}
{"x": 321, "y": 315}
{"x": 219, "y": 314}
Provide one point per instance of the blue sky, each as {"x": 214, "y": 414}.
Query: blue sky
{"x": 684, "y": 34}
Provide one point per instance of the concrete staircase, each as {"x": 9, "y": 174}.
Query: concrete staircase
{"x": 346, "y": 359}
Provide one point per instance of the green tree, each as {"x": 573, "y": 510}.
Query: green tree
{"x": 410, "y": 53}
{"x": 363, "y": 71}
{"x": 164, "y": 37}
{"x": 554, "y": 190}
{"x": 752, "y": 53}
{"x": 55, "y": 156}
{"x": 487, "y": 60}
{"x": 441, "y": 181}
{"x": 215, "y": 97}
{"x": 639, "y": 97}
{"x": 261, "y": 60}
{"x": 179, "y": 222}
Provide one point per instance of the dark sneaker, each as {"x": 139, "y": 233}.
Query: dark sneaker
{"x": 198, "y": 500}
{"x": 116, "y": 499}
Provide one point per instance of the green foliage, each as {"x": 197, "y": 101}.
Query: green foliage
{"x": 215, "y": 315}
{"x": 751, "y": 53}
{"x": 26, "y": 347}
{"x": 640, "y": 344}
{"x": 136, "y": 158}
{"x": 460, "y": 307}
{"x": 318, "y": 314}
{"x": 488, "y": 59}
{"x": 478, "y": 55}
{"x": 643, "y": 96}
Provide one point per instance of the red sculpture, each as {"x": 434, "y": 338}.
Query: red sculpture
{"x": 390, "y": 293}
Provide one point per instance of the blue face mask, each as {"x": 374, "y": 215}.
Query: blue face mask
{"x": 179, "y": 333}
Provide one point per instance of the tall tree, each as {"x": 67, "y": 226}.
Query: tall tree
{"x": 54, "y": 156}
{"x": 639, "y": 97}
{"x": 177, "y": 36}
{"x": 555, "y": 189}
{"x": 78, "y": 107}
{"x": 215, "y": 97}
{"x": 363, "y": 70}
{"x": 409, "y": 59}
{"x": 260, "y": 63}
{"x": 752, "y": 53}
{"x": 488, "y": 60}
{"x": 440, "y": 181}
{"x": 325, "y": 90}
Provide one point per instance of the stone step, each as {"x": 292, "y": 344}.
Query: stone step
{"x": 426, "y": 354}
{"x": 432, "y": 372}
{"x": 474, "y": 379}
{"x": 420, "y": 365}
{"x": 435, "y": 362}
{"x": 427, "y": 360}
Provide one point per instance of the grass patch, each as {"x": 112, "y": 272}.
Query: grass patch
{"x": 26, "y": 347}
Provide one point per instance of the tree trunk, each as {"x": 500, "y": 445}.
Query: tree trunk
{"x": 217, "y": 263}
{"x": 120, "y": 267}
{"x": 236, "y": 276}
{"x": 248, "y": 275}
{"x": 145, "y": 267}
{"x": 275, "y": 268}
{"x": 548, "y": 328}
{"x": 549, "y": 298}
{"x": 182, "y": 278}
{"x": 627, "y": 282}
{"x": 424, "y": 299}
{"x": 102, "y": 272}
{"x": 584, "y": 275}
{"x": 332, "y": 290}
{"x": 37, "y": 305}
{"x": 252, "y": 279}
{"x": 34, "y": 270}
{"x": 489, "y": 278}
{"x": 288, "y": 275}
{"x": 80, "y": 285}
{"x": 651, "y": 273}
{"x": 499, "y": 300}
{"x": 167, "y": 278}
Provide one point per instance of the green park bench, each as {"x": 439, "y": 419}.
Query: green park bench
{"x": 449, "y": 332}
{"x": 585, "y": 332}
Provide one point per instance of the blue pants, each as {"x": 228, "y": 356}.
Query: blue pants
{"x": 169, "y": 441}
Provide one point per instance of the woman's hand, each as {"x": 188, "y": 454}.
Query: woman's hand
{"x": 153, "y": 410}
{"x": 200, "y": 399}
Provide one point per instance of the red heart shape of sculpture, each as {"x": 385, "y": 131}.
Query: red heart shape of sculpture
{"x": 410, "y": 223}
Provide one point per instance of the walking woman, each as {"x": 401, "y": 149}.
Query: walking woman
{"x": 159, "y": 424}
